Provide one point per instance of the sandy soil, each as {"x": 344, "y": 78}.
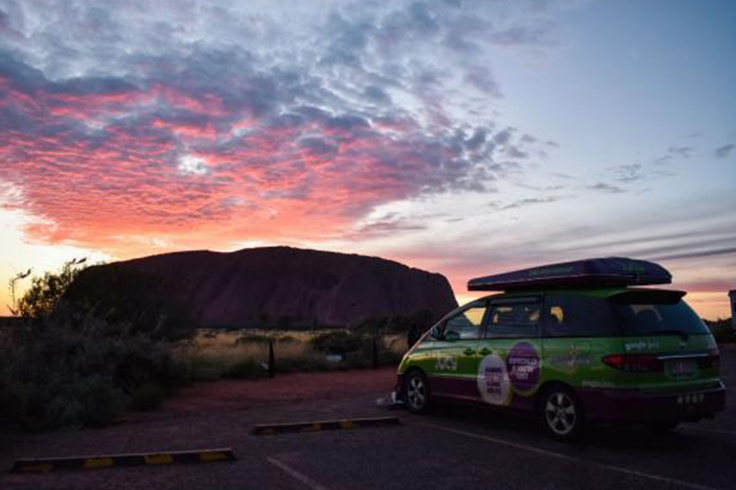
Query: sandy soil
{"x": 233, "y": 395}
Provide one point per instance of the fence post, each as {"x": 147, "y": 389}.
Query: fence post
{"x": 271, "y": 360}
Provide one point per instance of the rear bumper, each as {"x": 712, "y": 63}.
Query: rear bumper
{"x": 638, "y": 407}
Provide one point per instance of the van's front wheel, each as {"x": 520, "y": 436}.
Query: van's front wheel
{"x": 416, "y": 391}
{"x": 561, "y": 413}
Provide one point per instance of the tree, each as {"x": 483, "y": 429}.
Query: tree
{"x": 12, "y": 285}
{"x": 43, "y": 296}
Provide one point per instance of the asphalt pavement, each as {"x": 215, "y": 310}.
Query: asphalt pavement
{"x": 453, "y": 447}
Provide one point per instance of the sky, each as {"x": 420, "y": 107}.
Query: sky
{"x": 461, "y": 137}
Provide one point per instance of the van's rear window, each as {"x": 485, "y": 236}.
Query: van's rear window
{"x": 639, "y": 317}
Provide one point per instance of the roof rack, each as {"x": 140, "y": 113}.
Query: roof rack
{"x": 603, "y": 272}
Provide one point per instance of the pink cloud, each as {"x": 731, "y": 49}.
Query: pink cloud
{"x": 207, "y": 159}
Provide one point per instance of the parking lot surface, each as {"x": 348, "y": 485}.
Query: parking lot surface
{"x": 453, "y": 447}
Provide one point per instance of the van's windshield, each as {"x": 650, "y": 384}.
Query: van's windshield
{"x": 639, "y": 316}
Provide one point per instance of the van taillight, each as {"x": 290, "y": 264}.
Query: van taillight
{"x": 711, "y": 361}
{"x": 634, "y": 363}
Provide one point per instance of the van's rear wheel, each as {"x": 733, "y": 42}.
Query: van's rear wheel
{"x": 561, "y": 413}
{"x": 416, "y": 392}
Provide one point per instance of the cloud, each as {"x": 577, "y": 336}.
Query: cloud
{"x": 388, "y": 225}
{"x": 724, "y": 151}
{"x": 523, "y": 203}
{"x": 698, "y": 254}
{"x": 675, "y": 152}
{"x": 604, "y": 187}
{"x": 481, "y": 78}
{"x": 128, "y": 119}
{"x": 682, "y": 151}
{"x": 629, "y": 173}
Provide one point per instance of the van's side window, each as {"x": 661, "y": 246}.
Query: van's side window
{"x": 465, "y": 325}
{"x": 578, "y": 316}
{"x": 514, "y": 320}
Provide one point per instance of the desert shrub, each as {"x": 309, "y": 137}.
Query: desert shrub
{"x": 81, "y": 371}
{"x": 722, "y": 330}
{"x": 357, "y": 348}
{"x": 45, "y": 292}
{"x": 148, "y": 396}
{"x": 198, "y": 369}
{"x": 245, "y": 369}
{"x": 387, "y": 357}
{"x": 9, "y": 401}
{"x": 304, "y": 364}
{"x": 73, "y": 362}
{"x": 247, "y": 337}
{"x": 339, "y": 342}
{"x": 357, "y": 362}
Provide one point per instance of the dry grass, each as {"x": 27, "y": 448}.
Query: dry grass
{"x": 213, "y": 354}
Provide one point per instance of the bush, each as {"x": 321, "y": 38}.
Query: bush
{"x": 45, "y": 293}
{"x": 246, "y": 369}
{"x": 722, "y": 330}
{"x": 339, "y": 342}
{"x": 77, "y": 361}
{"x": 196, "y": 370}
{"x": 249, "y": 337}
{"x": 81, "y": 371}
{"x": 304, "y": 365}
{"x": 149, "y": 396}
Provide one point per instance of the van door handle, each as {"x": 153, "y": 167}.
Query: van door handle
{"x": 484, "y": 352}
{"x": 468, "y": 352}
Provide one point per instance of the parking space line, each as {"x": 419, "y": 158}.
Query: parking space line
{"x": 553, "y": 454}
{"x": 296, "y": 475}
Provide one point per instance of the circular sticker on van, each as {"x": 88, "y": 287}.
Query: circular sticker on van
{"x": 493, "y": 381}
{"x": 522, "y": 364}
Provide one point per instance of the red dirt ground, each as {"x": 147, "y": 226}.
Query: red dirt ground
{"x": 232, "y": 395}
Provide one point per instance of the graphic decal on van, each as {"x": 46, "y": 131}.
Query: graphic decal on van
{"x": 493, "y": 381}
{"x": 445, "y": 363}
{"x": 577, "y": 356}
{"x": 641, "y": 345}
{"x": 522, "y": 364}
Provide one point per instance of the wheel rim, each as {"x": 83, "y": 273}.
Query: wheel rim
{"x": 416, "y": 392}
{"x": 560, "y": 414}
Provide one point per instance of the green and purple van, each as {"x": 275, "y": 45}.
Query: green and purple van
{"x": 574, "y": 343}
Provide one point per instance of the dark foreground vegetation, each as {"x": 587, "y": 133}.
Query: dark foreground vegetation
{"x": 66, "y": 364}
{"x": 81, "y": 371}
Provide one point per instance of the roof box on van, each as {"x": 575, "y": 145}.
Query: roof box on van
{"x": 606, "y": 272}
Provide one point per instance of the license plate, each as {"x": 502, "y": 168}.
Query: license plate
{"x": 682, "y": 368}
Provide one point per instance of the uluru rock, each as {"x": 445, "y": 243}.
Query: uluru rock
{"x": 268, "y": 286}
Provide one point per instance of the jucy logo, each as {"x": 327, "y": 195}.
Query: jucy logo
{"x": 446, "y": 363}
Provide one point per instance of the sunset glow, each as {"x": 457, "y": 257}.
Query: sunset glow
{"x": 458, "y": 137}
